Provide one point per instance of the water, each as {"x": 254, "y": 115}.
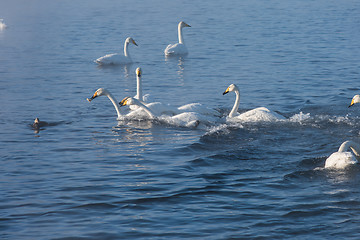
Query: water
{"x": 88, "y": 176}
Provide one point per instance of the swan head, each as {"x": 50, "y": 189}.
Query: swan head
{"x": 183, "y": 24}
{"x": 98, "y": 93}
{"x": 130, "y": 40}
{"x": 356, "y": 99}
{"x": 127, "y": 101}
{"x": 138, "y": 72}
{"x": 231, "y": 88}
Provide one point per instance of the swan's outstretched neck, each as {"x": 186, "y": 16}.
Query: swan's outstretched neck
{"x": 126, "y": 51}
{"x": 235, "y": 108}
{"x": 139, "y": 94}
{"x": 352, "y": 145}
{"x": 103, "y": 91}
{"x": 181, "y": 40}
{"x": 147, "y": 110}
{"x": 134, "y": 101}
{"x": 115, "y": 103}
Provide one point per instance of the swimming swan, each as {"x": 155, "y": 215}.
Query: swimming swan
{"x": 356, "y": 99}
{"x": 343, "y": 158}
{"x": 104, "y": 92}
{"x": 254, "y": 115}
{"x": 187, "y": 119}
{"x": 177, "y": 48}
{"x": 116, "y": 58}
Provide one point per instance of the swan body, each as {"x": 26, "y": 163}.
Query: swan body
{"x": 356, "y": 99}
{"x": 344, "y": 158}
{"x": 2, "y": 24}
{"x": 178, "y": 48}
{"x": 260, "y": 114}
{"x": 104, "y": 92}
{"x": 189, "y": 119}
{"x": 117, "y": 58}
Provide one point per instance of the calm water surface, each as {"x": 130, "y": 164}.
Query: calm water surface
{"x": 89, "y": 176}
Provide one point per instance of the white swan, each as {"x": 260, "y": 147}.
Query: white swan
{"x": 356, "y": 99}
{"x": 344, "y": 158}
{"x": 178, "y": 48}
{"x": 116, "y": 58}
{"x": 104, "y": 92}
{"x": 2, "y": 24}
{"x": 188, "y": 119}
{"x": 254, "y": 115}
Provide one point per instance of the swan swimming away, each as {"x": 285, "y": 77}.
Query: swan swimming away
{"x": 117, "y": 58}
{"x": 104, "y": 92}
{"x": 38, "y": 124}
{"x": 2, "y": 24}
{"x": 344, "y": 158}
{"x": 187, "y": 119}
{"x": 356, "y": 99}
{"x": 254, "y": 115}
{"x": 178, "y": 48}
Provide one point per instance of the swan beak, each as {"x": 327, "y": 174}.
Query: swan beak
{"x": 123, "y": 102}
{"x": 226, "y": 91}
{"x": 187, "y": 25}
{"x": 134, "y": 42}
{"x": 352, "y": 103}
{"x": 92, "y": 98}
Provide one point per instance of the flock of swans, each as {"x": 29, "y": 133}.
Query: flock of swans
{"x": 194, "y": 114}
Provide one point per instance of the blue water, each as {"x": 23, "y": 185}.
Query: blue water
{"x": 89, "y": 176}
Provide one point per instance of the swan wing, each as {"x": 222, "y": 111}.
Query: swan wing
{"x": 113, "y": 58}
{"x": 199, "y": 108}
{"x": 260, "y": 114}
{"x": 176, "y": 49}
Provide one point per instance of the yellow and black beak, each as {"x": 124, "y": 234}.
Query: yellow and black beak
{"x": 352, "y": 103}
{"x": 123, "y": 102}
{"x": 134, "y": 42}
{"x": 93, "y": 97}
{"x": 226, "y": 91}
{"x": 138, "y": 72}
{"x": 187, "y": 25}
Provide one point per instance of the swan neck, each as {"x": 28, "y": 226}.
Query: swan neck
{"x": 126, "y": 51}
{"x": 146, "y": 109}
{"x": 181, "y": 40}
{"x": 352, "y": 145}
{"x": 115, "y": 103}
{"x": 139, "y": 94}
{"x": 236, "y": 105}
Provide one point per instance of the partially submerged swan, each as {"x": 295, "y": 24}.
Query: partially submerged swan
{"x": 104, "y": 92}
{"x": 187, "y": 119}
{"x": 356, "y": 99}
{"x": 38, "y": 124}
{"x": 178, "y": 48}
{"x": 344, "y": 157}
{"x": 2, "y": 24}
{"x": 117, "y": 58}
{"x": 254, "y": 115}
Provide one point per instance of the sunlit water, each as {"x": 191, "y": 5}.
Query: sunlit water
{"x": 89, "y": 176}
